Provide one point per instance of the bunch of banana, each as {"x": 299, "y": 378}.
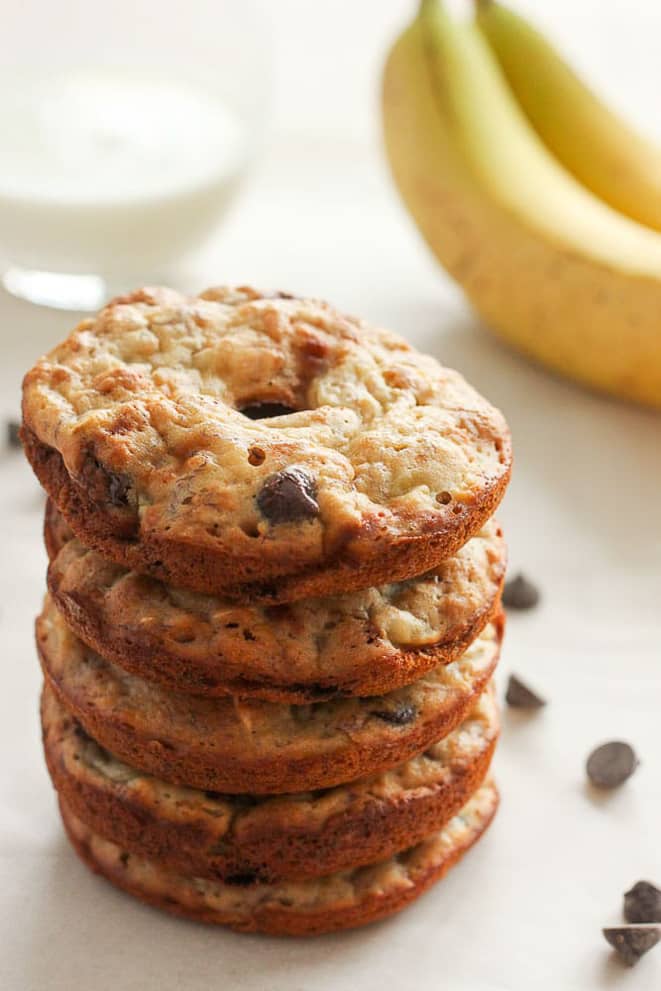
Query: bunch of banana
{"x": 538, "y": 200}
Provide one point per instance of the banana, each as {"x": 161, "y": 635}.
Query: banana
{"x": 592, "y": 142}
{"x": 549, "y": 267}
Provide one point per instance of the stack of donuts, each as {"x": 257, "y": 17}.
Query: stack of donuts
{"x": 273, "y": 610}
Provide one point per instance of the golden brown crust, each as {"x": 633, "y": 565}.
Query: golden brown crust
{"x": 238, "y": 745}
{"x": 339, "y": 901}
{"x": 386, "y": 465}
{"x": 362, "y": 643}
{"x": 248, "y": 839}
{"x": 207, "y": 571}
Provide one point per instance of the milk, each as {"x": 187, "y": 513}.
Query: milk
{"x": 109, "y": 173}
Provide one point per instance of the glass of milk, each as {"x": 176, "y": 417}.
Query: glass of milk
{"x": 125, "y": 130}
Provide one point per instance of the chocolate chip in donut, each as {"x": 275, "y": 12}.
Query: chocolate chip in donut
{"x": 103, "y": 484}
{"x": 203, "y": 398}
{"x": 399, "y": 716}
{"x": 287, "y": 496}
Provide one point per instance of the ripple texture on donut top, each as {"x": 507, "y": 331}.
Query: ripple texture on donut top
{"x": 144, "y": 405}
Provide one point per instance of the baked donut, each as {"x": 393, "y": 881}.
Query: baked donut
{"x": 244, "y": 839}
{"x": 239, "y": 745}
{"x": 341, "y": 900}
{"x": 260, "y": 446}
{"x": 362, "y": 643}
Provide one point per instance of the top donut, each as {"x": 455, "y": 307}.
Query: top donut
{"x": 260, "y": 445}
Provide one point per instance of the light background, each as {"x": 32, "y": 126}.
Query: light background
{"x": 582, "y": 516}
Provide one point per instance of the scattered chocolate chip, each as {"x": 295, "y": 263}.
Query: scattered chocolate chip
{"x": 264, "y": 411}
{"x": 632, "y": 942}
{"x": 519, "y": 696}
{"x": 520, "y": 593}
{"x": 287, "y": 496}
{"x": 611, "y": 764}
{"x": 400, "y": 716}
{"x": 642, "y": 903}
{"x": 13, "y": 435}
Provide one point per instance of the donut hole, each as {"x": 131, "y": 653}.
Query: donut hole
{"x": 266, "y": 410}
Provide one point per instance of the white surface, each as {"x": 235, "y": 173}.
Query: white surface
{"x": 525, "y": 909}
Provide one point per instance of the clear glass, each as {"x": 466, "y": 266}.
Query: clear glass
{"x": 126, "y": 128}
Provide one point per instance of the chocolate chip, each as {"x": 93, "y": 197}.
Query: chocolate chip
{"x": 13, "y": 433}
{"x": 632, "y": 942}
{"x": 519, "y": 696}
{"x": 642, "y": 903}
{"x": 104, "y": 485}
{"x": 611, "y": 764}
{"x": 287, "y": 496}
{"x": 118, "y": 489}
{"x": 399, "y": 716}
{"x": 520, "y": 593}
{"x": 113, "y": 492}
